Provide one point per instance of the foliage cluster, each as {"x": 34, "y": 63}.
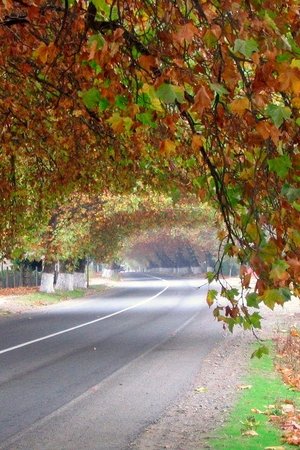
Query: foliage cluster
{"x": 190, "y": 96}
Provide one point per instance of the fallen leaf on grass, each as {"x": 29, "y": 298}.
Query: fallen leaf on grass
{"x": 257, "y": 411}
{"x": 250, "y": 433}
{"x": 286, "y": 409}
{"x": 274, "y": 448}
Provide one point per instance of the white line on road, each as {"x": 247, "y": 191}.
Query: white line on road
{"x": 43, "y": 338}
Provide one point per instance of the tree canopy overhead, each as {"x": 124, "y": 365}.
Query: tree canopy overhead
{"x": 187, "y": 95}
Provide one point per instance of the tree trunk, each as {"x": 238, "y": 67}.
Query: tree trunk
{"x": 65, "y": 278}
{"x": 47, "y": 281}
{"x": 80, "y": 279}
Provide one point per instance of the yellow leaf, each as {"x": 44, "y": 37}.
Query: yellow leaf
{"x": 250, "y": 433}
{"x": 245, "y": 386}
{"x": 296, "y": 102}
{"x": 46, "y": 53}
{"x": 41, "y": 53}
{"x": 257, "y": 411}
{"x": 296, "y": 86}
{"x": 201, "y": 389}
{"x": 156, "y": 104}
{"x": 239, "y": 105}
{"x": 168, "y": 147}
{"x": 253, "y": 232}
{"x": 275, "y": 448}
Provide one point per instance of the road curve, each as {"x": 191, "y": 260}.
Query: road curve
{"x": 93, "y": 373}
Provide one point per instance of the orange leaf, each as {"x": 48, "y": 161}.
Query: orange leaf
{"x": 203, "y": 100}
{"x": 185, "y": 32}
{"x": 41, "y": 52}
{"x": 148, "y": 62}
{"x": 197, "y": 142}
{"x": 167, "y": 147}
{"x": 239, "y": 105}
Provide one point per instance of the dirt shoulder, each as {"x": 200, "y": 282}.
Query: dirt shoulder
{"x": 192, "y": 421}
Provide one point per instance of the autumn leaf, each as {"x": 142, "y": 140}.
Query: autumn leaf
{"x": 239, "y": 105}
{"x": 185, "y": 33}
{"x": 202, "y": 100}
{"x": 275, "y": 448}
{"x": 201, "y": 389}
{"x": 197, "y": 142}
{"x": 252, "y": 433}
{"x": 279, "y": 271}
{"x": 211, "y": 297}
{"x": 41, "y": 53}
{"x": 167, "y": 147}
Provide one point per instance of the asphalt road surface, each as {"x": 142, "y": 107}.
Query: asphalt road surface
{"x": 93, "y": 373}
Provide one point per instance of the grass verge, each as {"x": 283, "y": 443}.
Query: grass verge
{"x": 21, "y": 302}
{"x": 266, "y": 389}
{"x": 41, "y": 298}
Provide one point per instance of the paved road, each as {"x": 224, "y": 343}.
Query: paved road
{"x": 93, "y": 374}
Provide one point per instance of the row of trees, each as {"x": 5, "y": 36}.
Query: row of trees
{"x": 103, "y": 230}
{"x": 181, "y": 97}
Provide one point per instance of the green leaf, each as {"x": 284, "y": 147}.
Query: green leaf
{"x": 271, "y": 297}
{"x": 255, "y": 320}
{"x": 234, "y": 195}
{"x": 260, "y": 351}
{"x": 284, "y": 57}
{"x": 280, "y": 165}
{"x": 144, "y": 100}
{"x": 169, "y": 93}
{"x": 91, "y": 98}
{"x": 219, "y": 89}
{"x": 278, "y": 113}
{"x": 246, "y": 48}
{"x": 146, "y": 119}
{"x": 103, "y": 104}
{"x": 175, "y": 194}
{"x": 290, "y": 192}
{"x": 106, "y": 10}
{"x": 121, "y": 102}
{"x": 285, "y": 293}
{"x": 210, "y": 276}
{"x": 252, "y": 300}
{"x": 296, "y": 206}
{"x": 230, "y": 294}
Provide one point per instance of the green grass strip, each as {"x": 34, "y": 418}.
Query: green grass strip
{"x": 41, "y": 298}
{"x": 267, "y": 389}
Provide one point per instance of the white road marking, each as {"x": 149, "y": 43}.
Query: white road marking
{"x": 43, "y": 338}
